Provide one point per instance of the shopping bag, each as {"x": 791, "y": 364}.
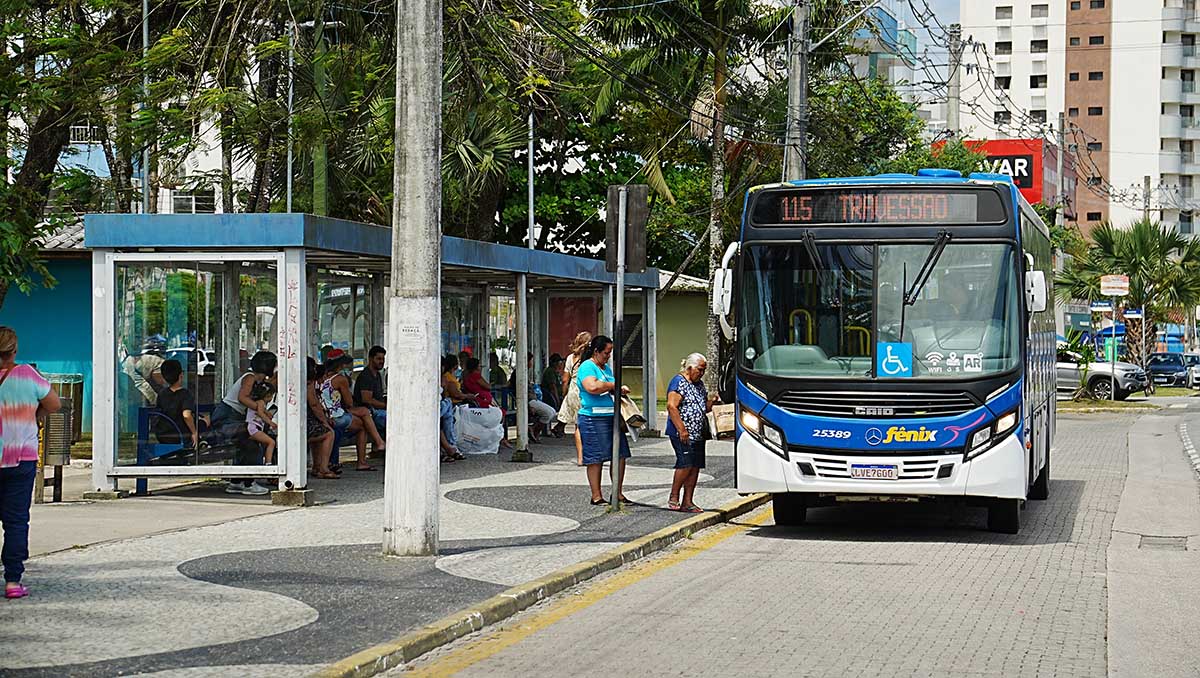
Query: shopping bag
{"x": 479, "y": 429}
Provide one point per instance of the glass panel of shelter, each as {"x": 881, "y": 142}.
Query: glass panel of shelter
{"x": 185, "y": 338}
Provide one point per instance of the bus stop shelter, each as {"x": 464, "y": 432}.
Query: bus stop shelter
{"x": 212, "y": 290}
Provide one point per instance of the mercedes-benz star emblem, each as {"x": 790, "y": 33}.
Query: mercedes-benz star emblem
{"x": 874, "y": 436}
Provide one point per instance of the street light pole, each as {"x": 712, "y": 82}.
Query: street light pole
{"x": 412, "y": 474}
{"x": 292, "y": 36}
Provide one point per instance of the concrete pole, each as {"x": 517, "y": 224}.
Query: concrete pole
{"x": 145, "y": 95}
{"x": 615, "y": 471}
{"x": 1146, "y": 197}
{"x": 320, "y": 198}
{"x": 290, "y": 107}
{"x": 1060, "y": 214}
{"x": 954, "y": 89}
{"x": 795, "y": 166}
{"x": 412, "y": 474}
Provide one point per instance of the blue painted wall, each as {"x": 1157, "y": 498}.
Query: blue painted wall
{"x": 54, "y": 327}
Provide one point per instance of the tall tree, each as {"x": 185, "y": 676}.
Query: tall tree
{"x": 1163, "y": 268}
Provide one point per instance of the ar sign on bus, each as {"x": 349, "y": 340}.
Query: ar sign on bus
{"x": 1114, "y": 285}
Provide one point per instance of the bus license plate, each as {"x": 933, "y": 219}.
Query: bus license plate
{"x": 874, "y": 471}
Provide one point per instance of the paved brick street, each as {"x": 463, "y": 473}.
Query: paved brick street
{"x": 867, "y": 590}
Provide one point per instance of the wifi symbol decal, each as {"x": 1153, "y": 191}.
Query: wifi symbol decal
{"x": 933, "y": 358}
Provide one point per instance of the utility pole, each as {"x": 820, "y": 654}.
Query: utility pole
{"x": 522, "y": 453}
{"x": 795, "y": 166}
{"x": 954, "y": 87}
{"x": 145, "y": 97}
{"x": 320, "y": 199}
{"x": 412, "y": 474}
{"x": 1146, "y": 197}
{"x": 1060, "y": 214}
{"x": 292, "y": 35}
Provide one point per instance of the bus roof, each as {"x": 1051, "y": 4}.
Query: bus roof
{"x": 924, "y": 177}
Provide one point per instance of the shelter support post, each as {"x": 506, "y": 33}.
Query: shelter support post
{"x": 650, "y": 359}
{"x": 543, "y": 333}
{"x": 104, "y": 369}
{"x": 485, "y": 330}
{"x": 231, "y": 317}
{"x": 376, "y": 315}
{"x": 521, "y": 365}
{"x": 312, "y": 302}
{"x": 293, "y": 349}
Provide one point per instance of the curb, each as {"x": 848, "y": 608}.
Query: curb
{"x": 408, "y": 647}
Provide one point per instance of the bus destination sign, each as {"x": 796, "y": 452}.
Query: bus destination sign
{"x": 876, "y": 205}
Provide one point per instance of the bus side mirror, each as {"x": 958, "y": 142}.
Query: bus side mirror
{"x": 721, "y": 291}
{"x": 1035, "y": 291}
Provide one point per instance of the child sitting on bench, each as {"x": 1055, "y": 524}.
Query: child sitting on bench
{"x": 259, "y": 423}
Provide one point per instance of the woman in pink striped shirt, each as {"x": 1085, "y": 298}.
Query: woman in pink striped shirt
{"x": 25, "y": 397}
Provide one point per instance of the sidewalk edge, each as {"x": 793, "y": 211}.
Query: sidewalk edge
{"x": 408, "y": 647}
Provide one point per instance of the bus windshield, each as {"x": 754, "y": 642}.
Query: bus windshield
{"x": 822, "y": 310}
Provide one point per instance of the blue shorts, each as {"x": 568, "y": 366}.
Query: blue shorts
{"x": 688, "y": 455}
{"x": 596, "y": 434}
{"x": 343, "y": 422}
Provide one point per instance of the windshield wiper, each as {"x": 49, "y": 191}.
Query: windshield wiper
{"x": 935, "y": 253}
{"x": 810, "y": 246}
{"x": 912, "y": 293}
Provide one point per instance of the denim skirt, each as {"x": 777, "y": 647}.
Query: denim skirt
{"x": 597, "y": 434}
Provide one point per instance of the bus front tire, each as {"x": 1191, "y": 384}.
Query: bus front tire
{"x": 790, "y": 509}
{"x": 1004, "y": 516}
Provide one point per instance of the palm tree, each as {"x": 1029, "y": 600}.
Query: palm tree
{"x": 1163, "y": 268}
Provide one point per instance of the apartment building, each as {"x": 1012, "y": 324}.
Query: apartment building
{"x": 1123, "y": 72}
{"x": 1012, "y": 81}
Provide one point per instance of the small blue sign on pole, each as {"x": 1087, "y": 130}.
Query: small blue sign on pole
{"x": 894, "y": 360}
{"x": 1102, "y": 307}
{"x": 1133, "y": 313}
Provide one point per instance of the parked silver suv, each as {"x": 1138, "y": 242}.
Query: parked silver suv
{"x": 1129, "y": 377}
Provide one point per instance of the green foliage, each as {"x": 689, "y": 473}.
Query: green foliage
{"x": 1163, "y": 268}
{"x": 953, "y": 154}
{"x": 859, "y": 126}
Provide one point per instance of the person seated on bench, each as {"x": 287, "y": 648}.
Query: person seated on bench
{"x": 369, "y": 391}
{"x": 540, "y": 414}
{"x": 320, "y": 429}
{"x": 229, "y": 420}
{"x": 476, "y": 385}
{"x": 177, "y": 407}
{"x": 259, "y": 422}
{"x": 338, "y": 401}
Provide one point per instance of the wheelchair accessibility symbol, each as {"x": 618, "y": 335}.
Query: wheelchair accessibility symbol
{"x": 894, "y": 360}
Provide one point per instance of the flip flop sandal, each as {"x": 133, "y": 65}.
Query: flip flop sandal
{"x": 600, "y": 502}
{"x": 360, "y": 468}
{"x": 328, "y": 476}
{"x": 17, "y": 591}
{"x": 673, "y": 506}
{"x": 692, "y": 509}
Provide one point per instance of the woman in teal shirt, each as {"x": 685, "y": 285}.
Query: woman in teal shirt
{"x": 596, "y": 385}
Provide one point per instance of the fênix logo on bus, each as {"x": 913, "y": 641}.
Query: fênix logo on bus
{"x": 900, "y": 434}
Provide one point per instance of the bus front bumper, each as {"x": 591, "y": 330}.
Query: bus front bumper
{"x": 999, "y": 472}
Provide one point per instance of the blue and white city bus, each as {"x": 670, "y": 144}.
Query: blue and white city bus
{"x": 892, "y": 343}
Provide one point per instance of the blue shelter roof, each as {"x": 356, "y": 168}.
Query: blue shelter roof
{"x": 334, "y": 242}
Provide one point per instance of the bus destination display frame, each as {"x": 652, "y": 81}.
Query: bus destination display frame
{"x": 877, "y": 206}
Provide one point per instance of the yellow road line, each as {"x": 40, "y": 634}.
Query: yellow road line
{"x": 491, "y": 643}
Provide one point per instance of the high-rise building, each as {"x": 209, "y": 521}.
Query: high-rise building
{"x": 1123, "y": 74}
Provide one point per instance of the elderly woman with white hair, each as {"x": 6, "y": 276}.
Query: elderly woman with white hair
{"x": 688, "y": 405}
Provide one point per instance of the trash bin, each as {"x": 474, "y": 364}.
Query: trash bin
{"x": 56, "y": 436}
{"x": 70, "y": 386}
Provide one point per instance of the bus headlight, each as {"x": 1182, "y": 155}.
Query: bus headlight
{"x": 983, "y": 439}
{"x": 750, "y": 422}
{"x": 766, "y": 433}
